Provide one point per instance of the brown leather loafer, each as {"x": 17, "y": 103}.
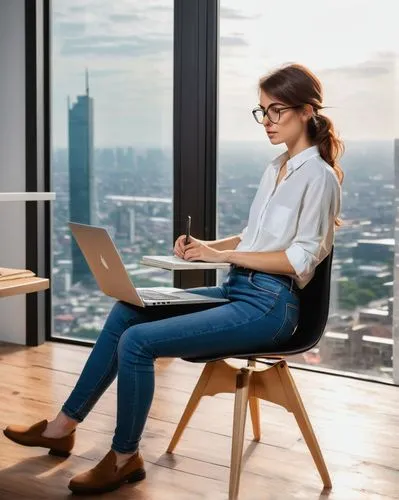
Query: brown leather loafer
{"x": 106, "y": 476}
{"x": 32, "y": 436}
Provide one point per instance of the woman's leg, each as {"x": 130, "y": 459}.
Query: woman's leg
{"x": 101, "y": 367}
{"x": 98, "y": 373}
{"x": 239, "y": 327}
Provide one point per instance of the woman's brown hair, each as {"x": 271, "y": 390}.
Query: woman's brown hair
{"x": 296, "y": 85}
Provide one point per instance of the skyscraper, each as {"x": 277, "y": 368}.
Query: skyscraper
{"x": 81, "y": 186}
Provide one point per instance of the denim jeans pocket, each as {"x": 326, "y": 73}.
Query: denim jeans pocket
{"x": 265, "y": 284}
{"x": 289, "y": 324}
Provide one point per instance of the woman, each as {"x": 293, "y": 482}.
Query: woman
{"x": 290, "y": 231}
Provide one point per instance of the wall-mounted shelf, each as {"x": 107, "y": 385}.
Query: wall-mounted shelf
{"x": 27, "y": 196}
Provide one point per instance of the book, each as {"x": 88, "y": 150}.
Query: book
{"x": 176, "y": 263}
{"x": 8, "y": 273}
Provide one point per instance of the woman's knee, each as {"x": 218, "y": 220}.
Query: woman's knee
{"x": 133, "y": 343}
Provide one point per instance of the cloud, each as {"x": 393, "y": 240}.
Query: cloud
{"x": 125, "y": 18}
{"x": 106, "y": 72}
{"x": 233, "y": 40}
{"x": 103, "y": 39}
{"x": 159, "y": 8}
{"x": 361, "y": 96}
{"x": 122, "y": 46}
{"x": 382, "y": 65}
{"x": 369, "y": 72}
{"x": 229, "y": 13}
{"x": 78, "y": 8}
{"x": 69, "y": 28}
{"x": 361, "y": 71}
{"x": 58, "y": 15}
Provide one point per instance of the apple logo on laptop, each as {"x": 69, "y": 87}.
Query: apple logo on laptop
{"x": 104, "y": 262}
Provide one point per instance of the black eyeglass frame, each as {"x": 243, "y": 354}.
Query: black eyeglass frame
{"x": 265, "y": 111}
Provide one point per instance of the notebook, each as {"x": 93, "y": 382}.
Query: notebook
{"x": 172, "y": 262}
{"x": 8, "y": 273}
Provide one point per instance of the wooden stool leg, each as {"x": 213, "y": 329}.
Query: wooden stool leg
{"x": 216, "y": 377}
{"x": 301, "y": 416}
{"x": 191, "y": 406}
{"x": 254, "y": 407}
{"x": 240, "y": 413}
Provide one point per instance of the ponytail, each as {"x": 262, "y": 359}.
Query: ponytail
{"x": 321, "y": 132}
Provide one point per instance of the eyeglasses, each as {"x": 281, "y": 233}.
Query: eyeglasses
{"x": 272, "y": 112}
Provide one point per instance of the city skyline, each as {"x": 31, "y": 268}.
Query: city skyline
{"x": 358, "y": 336}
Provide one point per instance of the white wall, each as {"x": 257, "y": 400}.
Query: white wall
{"x": 12, "y": 159}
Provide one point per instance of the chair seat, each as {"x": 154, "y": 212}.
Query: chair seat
{"x": 296, "y": 345}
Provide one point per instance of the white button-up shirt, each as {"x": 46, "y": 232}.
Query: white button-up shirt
{"x": 298, "y": 215}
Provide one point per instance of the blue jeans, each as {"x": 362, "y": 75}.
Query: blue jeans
{"x": 262, "y": 312}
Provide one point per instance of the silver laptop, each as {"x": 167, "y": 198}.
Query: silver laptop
{"x": 107, "y": 267}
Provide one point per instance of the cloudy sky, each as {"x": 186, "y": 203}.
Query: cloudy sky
{"x": 127, "y": 46}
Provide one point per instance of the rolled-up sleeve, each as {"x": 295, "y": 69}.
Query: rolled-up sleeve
{"x": 315, "y": 228}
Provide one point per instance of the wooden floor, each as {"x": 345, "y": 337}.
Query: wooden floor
{"x": 356, "y": 422}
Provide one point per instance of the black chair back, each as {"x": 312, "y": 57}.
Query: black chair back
{"x": 314, "y": 305}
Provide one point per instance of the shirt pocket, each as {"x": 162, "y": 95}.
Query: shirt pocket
{"x": 278, "y": 220}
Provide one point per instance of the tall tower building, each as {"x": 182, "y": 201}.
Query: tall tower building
{"x": 81, "y": 182}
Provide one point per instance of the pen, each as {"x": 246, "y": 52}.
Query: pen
{"x": 188, "y": 228}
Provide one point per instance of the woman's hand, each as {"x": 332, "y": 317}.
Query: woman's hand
{"x": 180, "y": 247}
{"x": 197, "y": 250}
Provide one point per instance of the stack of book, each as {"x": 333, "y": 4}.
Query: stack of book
{"x": 7, "y": 273}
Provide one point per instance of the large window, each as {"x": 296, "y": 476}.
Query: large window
{"x": 352, "y": 47}
{"x": 112, "y": 71}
